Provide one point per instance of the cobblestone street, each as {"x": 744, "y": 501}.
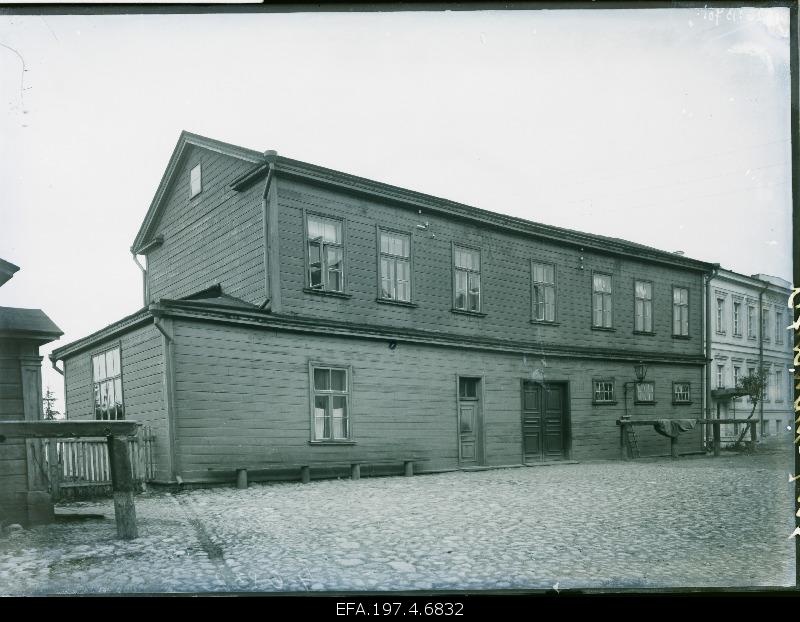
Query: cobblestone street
{"x": 693, "y": 522}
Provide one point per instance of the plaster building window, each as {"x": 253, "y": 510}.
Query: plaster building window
{"x": 736, "y": 375}
{"x": 603, "y": 392}
{"x": 779, "y": 385}
{"x": 767, "y": 387}
{"x": 601, "y": 301}
{"x": 643, "y": 306}
{"x": 779, "y": 327}
{"x": 544, "y": 292}
{"x": 107, "y": 379}
{"x": 325, "y": 254}
{"x": 395, "y": 259}
{"x": 196, "y": 181}
{"x": 681, "y": 393}
{"x": 680, "y": 311}
{"x": 765, "y": 324}
{"x": 721, "y": 316}
{"x": 467, "y": 279}
{"x": 737, "y": 319}
{"x": 751, "y": 321}
{"x": 331, "y": 395}
{"x": 720, "y": 376}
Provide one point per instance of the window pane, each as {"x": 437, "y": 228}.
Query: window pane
{"x": 339, "y": 416}
{"x": 101, "y": 365}
{"x": 338, "y": 380}
{"x": 602, "y": 283}
{"x": 110, "y": 367}
{"x": 322, "y": 379}
{"x": 96, "y": 367}
{"x": 322, "y": 425}
{"x": 104, "y": 400}
{"x": 97, "y": 408}
{"x": 549, "y": 274}
{"x": 474, "y": 291}
{"x": 467, "y": 259}
{"x": 314, "y": 265}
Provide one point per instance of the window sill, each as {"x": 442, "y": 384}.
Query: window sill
{"x": 545, "y": 323}
{"x": 604, "y": 403}
{"x": 682, "y": 403}
{"x": 635, "y": 403}
{"x": 604, "y": 329}
{"x": 325, "y": 292}
{"x": 647, "y": 333}
{"x": 737, "y": 335}
{"x": 399, "y": 303}
{"x": 682, "y": 337}
{"x": 465, "y": 312}
{"x": 331, "y": 442}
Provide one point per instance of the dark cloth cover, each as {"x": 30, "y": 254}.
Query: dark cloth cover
{"x": 674, "y": 427}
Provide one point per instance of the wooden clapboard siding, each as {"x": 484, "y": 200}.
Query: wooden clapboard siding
{"x": 243, "y": 399}
{"x": 142, "y": 387}
{"x": 215, "y": 237}
{"x": 505, "y": 278}
{"x": 13, "y": 464}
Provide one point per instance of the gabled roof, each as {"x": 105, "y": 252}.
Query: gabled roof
{"x": 7, "y": 270}
{"x": 186, "y": 139}
{"x": 28, "y": 324}
{"x": 311, "y": 173}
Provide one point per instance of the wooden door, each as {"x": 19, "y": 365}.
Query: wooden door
{"x": 543, "y": 422}
{"x": 470, "y": 424}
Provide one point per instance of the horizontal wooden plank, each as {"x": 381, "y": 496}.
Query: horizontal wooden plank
{"x": 62, "y": 429}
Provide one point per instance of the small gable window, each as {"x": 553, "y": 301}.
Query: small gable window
{"x": 196, "y": 181}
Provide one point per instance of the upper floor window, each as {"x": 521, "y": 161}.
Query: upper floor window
{"x": 196, "y": 181}
{"x": 601, "y": 301}
{"x": 721, "y": 315}
{"x": 467, "y": 279}
{"x": 779, "y": 385}
{"x": 680, "y": 311}
{"x": 736, "y": 375}
{"x": 395, "y": 260}
{"x": 643, "y": 306}
{"x": 751, "y": 321}
{"x": 544, "y": 292}
{"x": 331, "y": 392}
{"x": 765, "y": 324}
{"x": 603, "y": 391}
{"x": 737, "y": 319}
{"x": 720, "y": 376}
{"x": 779, "y": 327}
{"x": 107, "y": 380}
{"x": 325, "y": 254}
{"x": 681, "y": 392}
{"x": 645, "y": 392}
{"x": 767, "y": 394}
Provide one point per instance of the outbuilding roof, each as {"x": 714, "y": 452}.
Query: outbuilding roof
{"x": 28, "y": 324}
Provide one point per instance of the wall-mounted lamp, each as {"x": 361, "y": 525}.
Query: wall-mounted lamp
{"x": 640, "y": 370}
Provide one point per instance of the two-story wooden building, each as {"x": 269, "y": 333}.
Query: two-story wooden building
{"x": 297, "y": 314}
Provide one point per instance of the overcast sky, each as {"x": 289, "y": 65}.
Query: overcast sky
{"x": 665, "y": 127}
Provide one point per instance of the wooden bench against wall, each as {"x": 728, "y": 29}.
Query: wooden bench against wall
{"x": 304, "y": 467}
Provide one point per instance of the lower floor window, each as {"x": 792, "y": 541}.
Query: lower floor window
{"x": 681, "y": 393}
{"x": 645, "y": 392}
{"x": 331, "y": 395}
{"x": 603, "y": 391}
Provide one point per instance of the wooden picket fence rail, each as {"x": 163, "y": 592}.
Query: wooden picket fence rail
{"x": 74, "y": 463}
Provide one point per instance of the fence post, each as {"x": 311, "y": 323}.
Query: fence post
{"x": 122, "y": 485}
{"x": 54, "y": 470}
{"x": 717, "y": 435}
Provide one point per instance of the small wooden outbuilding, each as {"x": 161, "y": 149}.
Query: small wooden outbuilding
{"x": 23, "y": 485}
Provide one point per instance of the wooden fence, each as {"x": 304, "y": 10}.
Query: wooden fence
{"x": 80, "y": 466}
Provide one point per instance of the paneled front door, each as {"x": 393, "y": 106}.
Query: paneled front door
{"x": 470, "y": 424}
{"x": 544, "y": 434}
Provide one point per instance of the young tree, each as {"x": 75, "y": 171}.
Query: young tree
{"x": 754, "y": 384}
{"x": 49, "y": 400}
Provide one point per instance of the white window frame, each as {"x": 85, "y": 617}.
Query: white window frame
{"x": 324, "y": 246}
{"x": 539, "y": 293}
{"x": 647, "y": 308}
{"x": 471, "y": 276}
{"x": 680, "y": 313}
{"x": 677, "y": 396}
{"x": 195, "y": 181}
{"x": 106, "y": 384}
{"x": 394, "y": 260}
{"x": 329, "y": 395}
{"x": 603, "y": 302}
{"x": 606, "y": 391}
{"x": 638, "y": 399}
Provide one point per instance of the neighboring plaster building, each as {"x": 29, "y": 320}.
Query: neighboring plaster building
{"x": 750, "y": 317}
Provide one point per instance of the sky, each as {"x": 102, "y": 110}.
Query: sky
{"x": 667, "y": 127}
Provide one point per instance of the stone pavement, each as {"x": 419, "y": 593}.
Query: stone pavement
{"x": 657, "y": 523}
